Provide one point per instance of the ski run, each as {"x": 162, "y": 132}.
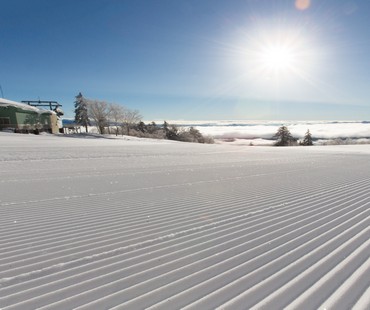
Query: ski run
{"x": 122, "y": 223}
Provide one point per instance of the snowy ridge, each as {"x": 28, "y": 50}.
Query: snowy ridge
{"x": 182, "y": 226}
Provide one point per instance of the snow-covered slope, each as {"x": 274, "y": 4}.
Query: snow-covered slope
{"x": 94, "y": 223}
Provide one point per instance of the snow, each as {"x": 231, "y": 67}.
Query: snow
{"x": 93, "y": 222}
{"x": 7, "y": 103}
{"x": 23, "y": 106}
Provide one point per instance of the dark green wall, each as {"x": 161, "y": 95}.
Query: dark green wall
{"x": 24, "y": 119}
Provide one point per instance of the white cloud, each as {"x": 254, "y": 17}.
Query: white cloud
{"x": 265, "y": 130}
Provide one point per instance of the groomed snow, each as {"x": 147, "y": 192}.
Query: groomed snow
{"x": 123, "y": 223}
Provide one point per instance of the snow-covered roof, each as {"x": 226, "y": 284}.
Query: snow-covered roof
{"x": 10, "y": 103}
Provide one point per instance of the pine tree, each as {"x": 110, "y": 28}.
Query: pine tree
{"x": 170, "y": 131}
{"x": 152, "y": 127}
{"x": 307, "y": 139}
{"x": 284, "y": 137}
{"x": 141, "y": 127}
{"x": 81, "y": 113}
{"x": 196, "y": 135}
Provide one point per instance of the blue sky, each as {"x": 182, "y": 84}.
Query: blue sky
{"x": 192, "y": 59}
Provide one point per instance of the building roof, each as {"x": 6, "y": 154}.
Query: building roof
{"x": 22, "y": 106}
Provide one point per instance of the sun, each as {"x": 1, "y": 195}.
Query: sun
{"x": 277, "y": 58}
{"x": 281, "y": 54}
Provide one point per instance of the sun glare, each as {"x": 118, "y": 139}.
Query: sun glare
{"x": 282, "y": 56}
{"x": 277, "y": 58}
{"x": 279, "y": 54}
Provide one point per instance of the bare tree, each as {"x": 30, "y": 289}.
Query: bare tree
{"x": 99, "y": 111}
{"x": 103, "y": 114}
{"x": 117, "y": 113}
{"x": 130, "y": 118}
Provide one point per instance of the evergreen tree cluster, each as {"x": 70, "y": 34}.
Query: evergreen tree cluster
{"x": 171, "y": 132}
{"x": 284, "y": 138}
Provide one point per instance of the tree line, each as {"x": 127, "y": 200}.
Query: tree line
{"x": 117, "y": 119}
{"x": 284, "y": 138}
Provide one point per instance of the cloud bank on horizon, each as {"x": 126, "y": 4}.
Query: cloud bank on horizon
{"x": 266, "y": 130}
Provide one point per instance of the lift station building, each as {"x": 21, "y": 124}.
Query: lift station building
{"x": 24, "y": 118}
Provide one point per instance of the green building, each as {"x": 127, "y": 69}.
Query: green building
{"x": 24, "y": 118}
